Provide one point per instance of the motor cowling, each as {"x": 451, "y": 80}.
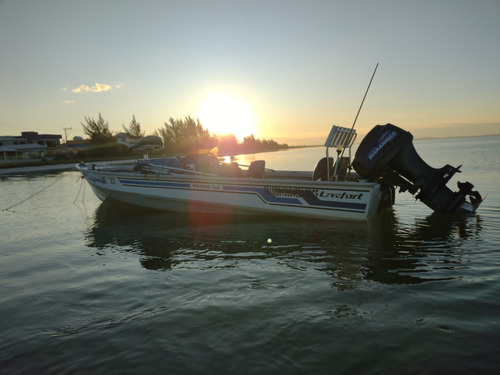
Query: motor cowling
{"x": 149, "y": 141}
{"x": 387, "y": 153}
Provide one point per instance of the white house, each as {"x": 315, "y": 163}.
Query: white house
{"x": 30, "y": 146}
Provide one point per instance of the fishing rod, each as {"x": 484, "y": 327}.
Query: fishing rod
{"x": 361, "y": 106}
{"x": 340, "y": 154}
{"x": 364, "y": 97}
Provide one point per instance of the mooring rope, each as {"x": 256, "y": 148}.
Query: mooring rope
{"x": 83, "y": 195}
{"x": 79, "y": 190}
{"x": 38, "y": 192}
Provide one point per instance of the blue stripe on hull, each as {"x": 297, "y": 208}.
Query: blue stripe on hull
{"x": 264, "y": 194}
{"x": 147, "y": 183}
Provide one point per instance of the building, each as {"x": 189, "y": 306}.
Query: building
{"x": 30, "y": 146}
{"x": 76, "y": 146}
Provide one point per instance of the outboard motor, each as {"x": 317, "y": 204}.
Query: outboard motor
{"x": 387, "y": 154}
{"x": 149, "y": 142}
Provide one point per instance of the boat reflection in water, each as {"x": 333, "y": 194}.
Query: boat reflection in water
{"x": 383, "y": 250}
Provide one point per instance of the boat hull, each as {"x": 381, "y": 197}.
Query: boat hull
{"x": 212, "y": 194}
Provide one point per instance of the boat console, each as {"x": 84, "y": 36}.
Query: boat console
{"x": 328, "y": 169}
{"x": 387, "y": 155}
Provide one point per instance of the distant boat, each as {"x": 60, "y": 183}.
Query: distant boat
{"x": 149, "y": 143}
{"x": 338, "y": 188}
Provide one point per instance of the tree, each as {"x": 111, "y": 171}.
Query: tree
{"x": 228, "y": 145}
{"x": 251, "y": 144}
{"x": 185, "y": 135}
{"x": 98, "y": 131}
{"x": 134, "y": 129}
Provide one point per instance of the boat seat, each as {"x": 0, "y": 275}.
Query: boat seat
{"x": 342, "y": 166}
{"x": 256, "y": 169}
{"x": 320, "y": 170}
{"x": 206, "y": 163}
{"x": 229, "y": 170}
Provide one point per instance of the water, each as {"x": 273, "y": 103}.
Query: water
{"x": 88, "y": 287}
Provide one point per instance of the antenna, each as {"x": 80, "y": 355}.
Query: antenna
{"x": 366, "y": 92}
{"x": 359, "y": 110}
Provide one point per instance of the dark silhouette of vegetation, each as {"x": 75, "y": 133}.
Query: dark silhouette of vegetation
{"x": 185, "y": 136}
{"x": 97, "y": 130}
{"x": 251, "y": 145}
{"x": 229, "y": 145}
{"x": 180, "y": 137}
{"x": 134, "y": 129}
{"x": 102, "y": 141}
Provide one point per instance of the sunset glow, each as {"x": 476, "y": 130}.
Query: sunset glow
{"x": 245, "y": 67}
{"x": 224, "y": 113}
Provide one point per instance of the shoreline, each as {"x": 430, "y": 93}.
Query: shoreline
{"x": 50, "y": 167}
{"x": 16, "y": 170}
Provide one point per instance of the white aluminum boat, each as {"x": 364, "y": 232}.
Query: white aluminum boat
{"x": 201, "y": 183}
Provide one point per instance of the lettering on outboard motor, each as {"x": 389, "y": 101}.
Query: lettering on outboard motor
{"x": 387, "y": 154}
{"x": 382, "y": 143}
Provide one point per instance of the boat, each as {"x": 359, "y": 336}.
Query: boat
{"x": 338, "y": 188}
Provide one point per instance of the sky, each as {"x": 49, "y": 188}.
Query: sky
{"x": 279, "y": 69}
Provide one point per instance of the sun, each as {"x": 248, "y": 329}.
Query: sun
{"x": 224, "y": 113}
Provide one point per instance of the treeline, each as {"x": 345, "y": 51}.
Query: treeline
{"x": 229, "y": 145}
{"x": 102, "y": 140}
{"x": 180, "y": 137}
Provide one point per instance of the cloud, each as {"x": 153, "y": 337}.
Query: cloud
{"x": 98, "y": 87}
{"x": 69, "y": 101}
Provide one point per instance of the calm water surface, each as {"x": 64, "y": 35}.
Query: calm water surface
{"x": 89, "y": 287}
